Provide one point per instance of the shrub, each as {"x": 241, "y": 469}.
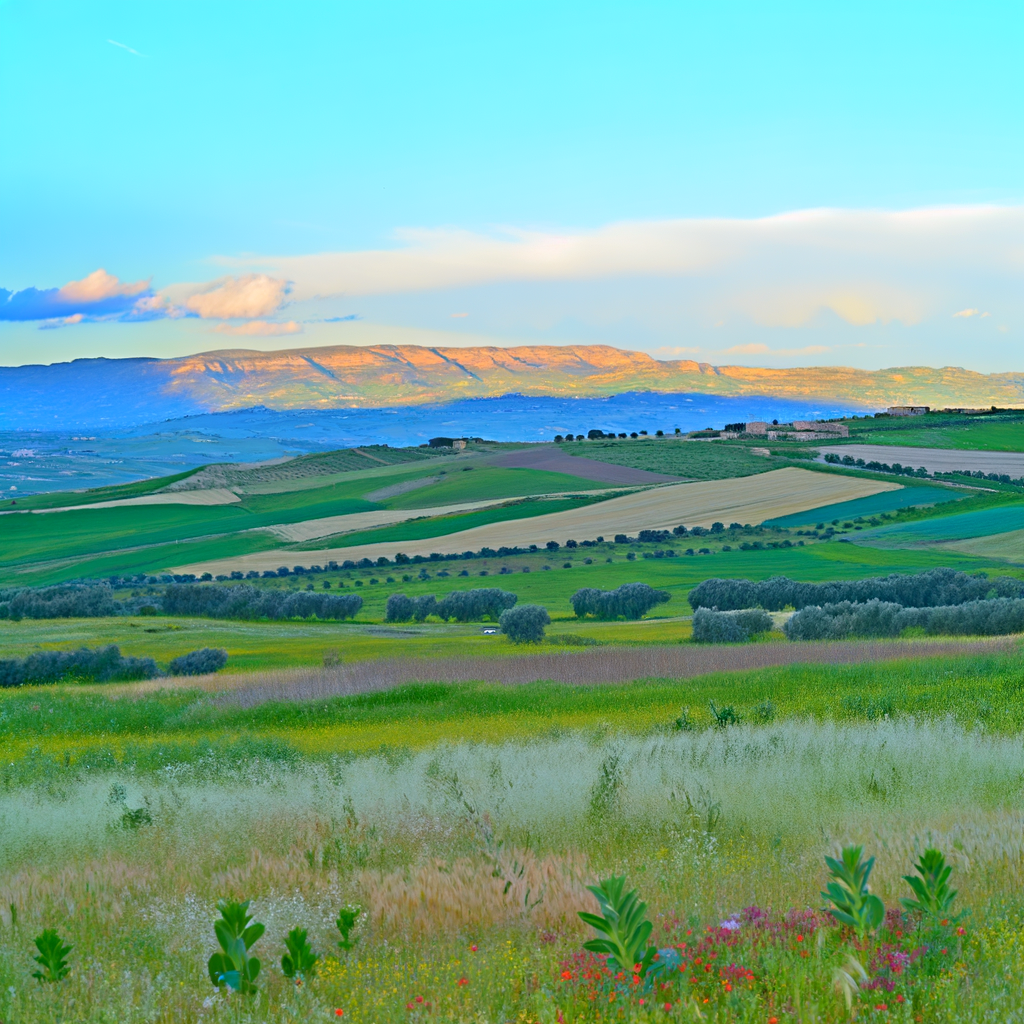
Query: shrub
{"x": 399, "y": 608}
{"x": 422, "y": 606}
{"x": 729, "y": 627}
{"x": 199, "y": 663}
{"x": 106, "y": 664}
{"x": 524, "y": 624}
{"x": 631, "y": 601}
{"x": 474, "y": 605}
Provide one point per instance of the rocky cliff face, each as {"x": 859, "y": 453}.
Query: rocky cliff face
{"x": 396, "y": 375}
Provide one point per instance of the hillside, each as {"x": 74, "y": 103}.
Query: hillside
{"x": 126, "y": 391}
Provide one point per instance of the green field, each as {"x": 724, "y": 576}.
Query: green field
{"x": 473, "y": 483}
{"x": 887, "y": 501}
{"x": 979, "y": 523}
{"x": 694, "y": 460}
{"x": 1001, "y": 432}
{"x": 47, "y": 548}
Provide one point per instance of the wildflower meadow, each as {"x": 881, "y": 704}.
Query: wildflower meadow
{"x": 742, "y": 869}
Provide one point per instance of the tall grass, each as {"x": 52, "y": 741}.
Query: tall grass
{"x": 705, "y": 823}
{"x": 583, "y": 668}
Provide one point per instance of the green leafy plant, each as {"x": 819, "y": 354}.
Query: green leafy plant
{"x": 52, "y": 957}
{"x": 852, "y": 901}
{"x": 934, "y": 897}
{"x": 684, "y": 723}
{"x": 624, "y": 924}
{"x": 727, "y": 716}
{"x": 347, "y": 919}
{"x": 300, "y": 961}
{"x": 233, "y": 966}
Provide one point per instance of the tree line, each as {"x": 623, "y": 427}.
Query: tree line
{"x": 460, "y": 605}
{"x": 900, "y": 470}
{"x": 994, "y": 617}
{"x": 103, "y": 665}
{"x": 248, "y": 602}
{"x": 931, "y": 588}
{"x": 63, "y": 602}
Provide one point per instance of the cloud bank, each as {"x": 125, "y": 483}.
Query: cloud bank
{"x": 865, "y": 267}
{"x": 865, "y": 287}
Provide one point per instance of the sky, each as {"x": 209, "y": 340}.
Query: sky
{"x": 760, "y": 184}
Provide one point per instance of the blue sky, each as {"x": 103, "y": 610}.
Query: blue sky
{"x": 250, "y": 174}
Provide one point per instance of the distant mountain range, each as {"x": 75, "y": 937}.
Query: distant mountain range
{"x": 124, "y": 392}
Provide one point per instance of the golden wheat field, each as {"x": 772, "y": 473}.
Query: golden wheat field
{"x": 750, "y": 499}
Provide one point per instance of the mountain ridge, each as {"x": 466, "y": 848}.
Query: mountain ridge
{"x": 104, "y": 390}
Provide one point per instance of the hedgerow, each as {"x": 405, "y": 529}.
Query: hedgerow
{"x": 729, "y": 627}
{"x": 460, "y": 605}
{"x": 104, "y": 665}
{"x": 932, "y": 588}
{"x": 996, "y": 617}
{"x": 248, "y": 602}
{"x": 72, "y": 601}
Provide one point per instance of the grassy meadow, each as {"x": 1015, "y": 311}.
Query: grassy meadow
{"x": 1000, "y": 432}
{"x": 464, "y": 821}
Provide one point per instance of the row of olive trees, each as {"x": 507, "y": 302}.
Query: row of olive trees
{"x": 103, "y": 665}
{"x": 996, "y": 617}
{"x": 460, "y": 605}
{"x": 932, "y": 588}
{"x": 248, "y": 602}
{"x": 69, "y": 601}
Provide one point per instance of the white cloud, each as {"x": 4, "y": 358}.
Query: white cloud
{"x": 242, "y": 298}
{"x": 865, "y": 267}
{"x": 260, "y": 328}
{"x": 967, "y": 313}
{"x": 97, "y": 286}
{"x": 114, "y": 42}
